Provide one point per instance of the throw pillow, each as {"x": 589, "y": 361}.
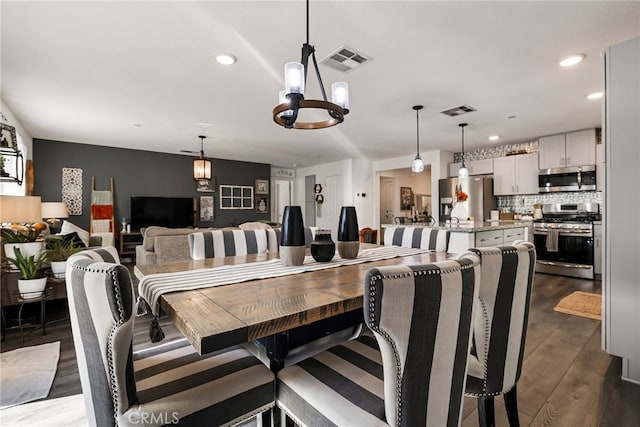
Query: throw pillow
{"x": 73, "y": 237}
{"x": 68, "y": 227}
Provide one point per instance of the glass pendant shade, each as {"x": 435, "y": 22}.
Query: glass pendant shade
{"x": 282, "y": 98}
{"x": 201, "y": 165}
{"x": 340, "y": 94}
{"x": 293, "y": 78}
{"x": 417, "y": 165}
{"x": 201, "y": 169}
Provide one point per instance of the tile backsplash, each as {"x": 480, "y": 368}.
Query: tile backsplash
{"x": 523, "y": 204}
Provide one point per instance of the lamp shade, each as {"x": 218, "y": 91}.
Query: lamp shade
{"x": 201, "y": 169}
{"x": 292, "y": 227}
{"x": 293, "y": 78}
{"x": 348, "y": 225}
{"x": 54, "y": 210}
{"x": 340, "y": 94}
{"x": 25, "y": 209}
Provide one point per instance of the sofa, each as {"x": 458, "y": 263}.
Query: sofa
{"x": 161, "y": 245}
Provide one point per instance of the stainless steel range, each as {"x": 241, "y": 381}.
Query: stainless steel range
{"x": 564, "y": 239}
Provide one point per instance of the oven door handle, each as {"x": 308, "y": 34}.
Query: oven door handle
{"x": 586, "y": 233}
{"x": 583, "y": 266}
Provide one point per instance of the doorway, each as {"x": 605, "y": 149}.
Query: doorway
{"x": 387, "y": 197}
{"x": 283, "y": 189}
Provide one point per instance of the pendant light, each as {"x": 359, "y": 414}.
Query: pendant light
{"x": 417, "y": 165}
{"x": 201, "y": 165}
{"x": 463, "y": 172}
{"x": 291, "y": 99}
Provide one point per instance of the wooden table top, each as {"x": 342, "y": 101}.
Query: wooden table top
{"x": 218, "y": 317}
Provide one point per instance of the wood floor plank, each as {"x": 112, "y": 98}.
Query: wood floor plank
{"x": 583, "y": 393}
{"x": 623, "y": 408}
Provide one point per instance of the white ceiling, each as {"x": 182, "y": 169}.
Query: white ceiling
{"x": 143, "y": 75}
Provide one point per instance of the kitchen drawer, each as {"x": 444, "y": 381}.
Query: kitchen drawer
{"x": 489, "y": 238}
{"x": 513, "y": 234}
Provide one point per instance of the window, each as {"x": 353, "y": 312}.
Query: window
{"x": 236, "y": 197}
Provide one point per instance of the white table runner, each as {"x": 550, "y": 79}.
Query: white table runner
{"x": 151, "y": 287}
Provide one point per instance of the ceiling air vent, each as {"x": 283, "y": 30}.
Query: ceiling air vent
{"x": 345, "y": 59}
{"x": 457, "y": 111}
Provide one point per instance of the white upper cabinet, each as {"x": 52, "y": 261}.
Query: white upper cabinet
{"x": 515, "y": 174}
{"x": 570, "y": 149}
{"x": 581, "y": 148}
{"x": 475, "y": 167}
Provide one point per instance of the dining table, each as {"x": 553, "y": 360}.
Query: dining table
{"x": 218, "y": 317}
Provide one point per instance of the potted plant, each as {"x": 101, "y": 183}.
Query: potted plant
{"x": 23, "y": 237}
{"x": 57, "y": 251}
{"x": 32, "y": 283}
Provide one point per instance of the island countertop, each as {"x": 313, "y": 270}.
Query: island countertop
{"x": 477, "y": 226}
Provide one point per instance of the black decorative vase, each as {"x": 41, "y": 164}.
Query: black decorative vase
{"x": 348, "y": 233}
{"x": 292, "y": 247}
{"x": 322, "y": 247}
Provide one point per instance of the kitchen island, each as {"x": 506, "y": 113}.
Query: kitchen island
{"x": 476, "y": 234}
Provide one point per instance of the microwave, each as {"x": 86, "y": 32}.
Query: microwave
{"x": 576, "y": 178}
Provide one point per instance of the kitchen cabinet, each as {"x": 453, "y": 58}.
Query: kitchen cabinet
{"x": 568, "y": 149}
{"x": 475, "y": 167}
{"x": 597, "y": 249}
{"x": 515, "y": 174}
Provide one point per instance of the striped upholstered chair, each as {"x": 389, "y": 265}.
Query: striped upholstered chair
{"x": 222, "y": 243}
{"x": 167, "y": 384}
{"x": 500, "y": 327}
{"x": 413, "y": 372}
{"x": 418, "y": 237}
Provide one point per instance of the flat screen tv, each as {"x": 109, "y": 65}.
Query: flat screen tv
{"x": 172, "y": 212}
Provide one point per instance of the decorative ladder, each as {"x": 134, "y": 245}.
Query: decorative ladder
{"x": 102, "y": 210}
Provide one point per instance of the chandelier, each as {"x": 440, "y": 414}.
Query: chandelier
{"x": 201, "y": 165}
{"x": 291, "y": 99}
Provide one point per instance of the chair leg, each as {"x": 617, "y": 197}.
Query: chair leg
{"x": 511, "y": 403}
{"x": 486, "y": 412}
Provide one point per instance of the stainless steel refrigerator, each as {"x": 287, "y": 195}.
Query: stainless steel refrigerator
{"x": 480, "y": 202}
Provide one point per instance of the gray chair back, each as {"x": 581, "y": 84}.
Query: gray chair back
{"x": 101, "y": 308}
{"x": 500, "y": 323}
{"x": 421, "y": 318}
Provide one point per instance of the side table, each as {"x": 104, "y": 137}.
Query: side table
{"x": 55, "y": 289}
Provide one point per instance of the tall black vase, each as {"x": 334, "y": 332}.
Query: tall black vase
{"x": 348, "y": 233}
{"x": 292, "y": 247}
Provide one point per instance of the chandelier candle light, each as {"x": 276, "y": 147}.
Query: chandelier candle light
{"x": 417, "y": 165}
{"x": 291, "y": 99}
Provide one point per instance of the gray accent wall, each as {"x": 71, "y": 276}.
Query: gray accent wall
{"x": 138, "y": 173}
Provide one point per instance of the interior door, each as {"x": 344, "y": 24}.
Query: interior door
{"x": 387, "y": 197}
{"x": 282, "y": 197}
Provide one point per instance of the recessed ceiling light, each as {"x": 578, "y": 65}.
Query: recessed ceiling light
{"x": 226, "y": 59}
{"x": 494, "y": 138}
{"x": 571, "y": 60}
{"x": 595, "y": 95}
{"x": 204, "y": 125}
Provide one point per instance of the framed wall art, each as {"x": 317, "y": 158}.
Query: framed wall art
{"x": 262, "y": 186}
{"x": 262, "y": 204}
{"x": 406, "y": 198}
{"x": 206, "y": 185}
{"x": 206, "y": 209}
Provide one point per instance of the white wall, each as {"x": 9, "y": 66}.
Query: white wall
{"x": 439, "y": 162}
{"x": 363, "y": 176}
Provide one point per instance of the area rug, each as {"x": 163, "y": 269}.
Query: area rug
{"x": 61, "y": 412}
{"x": 584, "y": 304}
{"x": 27, "y": 373}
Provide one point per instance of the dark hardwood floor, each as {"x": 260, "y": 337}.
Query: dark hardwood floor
{"x": 567, "y": 380}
